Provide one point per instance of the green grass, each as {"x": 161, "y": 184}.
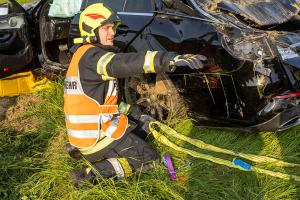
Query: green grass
{"x": 20, "y": 1}
{"x": 34, "y": 164}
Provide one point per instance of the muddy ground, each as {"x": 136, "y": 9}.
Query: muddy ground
{"x": 5, "y": 103}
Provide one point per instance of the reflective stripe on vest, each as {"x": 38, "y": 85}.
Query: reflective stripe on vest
{"x": 84, "y": 115}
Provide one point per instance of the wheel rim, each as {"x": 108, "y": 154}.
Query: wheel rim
{"x": 154, "y": 94}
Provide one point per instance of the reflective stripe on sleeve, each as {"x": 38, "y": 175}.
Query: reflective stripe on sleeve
{"x": 124, "y": 108}
{"x": 102, "y": 63}
{"x": 83, "y": 133}
{"x": 117, "y": 167}
{"x": 149, "y": 62}
{"x": 126, "y": 167}
{"x": 106, "y": 78}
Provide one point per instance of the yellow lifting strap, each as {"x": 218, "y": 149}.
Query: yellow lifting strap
{"x": 21, "y": 83}
{"x": 155, "y": 126}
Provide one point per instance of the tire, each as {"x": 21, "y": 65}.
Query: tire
{"x": 155, "y": 95}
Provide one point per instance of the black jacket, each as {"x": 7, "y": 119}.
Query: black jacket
{"x": 120, "y": 66}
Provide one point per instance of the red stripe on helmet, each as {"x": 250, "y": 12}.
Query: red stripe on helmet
{"x": 95, "y": 16}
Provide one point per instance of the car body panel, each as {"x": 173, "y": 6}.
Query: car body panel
{"x": 247, "y": 67}
{"x": 15, "y": 45}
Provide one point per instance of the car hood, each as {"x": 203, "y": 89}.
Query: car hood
{"x": 261, "y": 12}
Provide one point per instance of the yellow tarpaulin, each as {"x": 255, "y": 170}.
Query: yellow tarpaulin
{"x": 21, "y": 83}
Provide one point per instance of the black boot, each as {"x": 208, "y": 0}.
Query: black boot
{"x": 73, "y": 151}
{"x": 77, "y": 177}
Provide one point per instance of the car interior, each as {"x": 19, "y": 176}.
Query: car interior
{"x": 54, "y": 34}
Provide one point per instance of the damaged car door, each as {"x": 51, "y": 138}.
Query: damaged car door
{"x": 15, "y": 46}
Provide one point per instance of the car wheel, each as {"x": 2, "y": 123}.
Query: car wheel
{"x": 155, "y": 95}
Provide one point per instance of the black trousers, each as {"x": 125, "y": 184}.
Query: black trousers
{"x": 123, "y": 157}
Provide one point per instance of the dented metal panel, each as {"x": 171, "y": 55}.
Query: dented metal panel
{"x": 261, "y": 12}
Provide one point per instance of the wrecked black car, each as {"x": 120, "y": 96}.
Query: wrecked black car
{"x": 250, "y": 83}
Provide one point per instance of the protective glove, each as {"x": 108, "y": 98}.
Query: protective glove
{"x": 191, "y": 60}
{"x": 145, "y": 120}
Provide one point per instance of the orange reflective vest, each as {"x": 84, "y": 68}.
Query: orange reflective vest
{"x": 87, "y": 121}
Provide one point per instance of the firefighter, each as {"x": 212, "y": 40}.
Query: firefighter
{"x": 97, "y": 123}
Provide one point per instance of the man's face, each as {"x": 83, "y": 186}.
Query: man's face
{"x": 107, "y": 34}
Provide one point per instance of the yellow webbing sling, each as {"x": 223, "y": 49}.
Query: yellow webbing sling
{"x": 21, "y": 83}
{"x": 153, "y": 126}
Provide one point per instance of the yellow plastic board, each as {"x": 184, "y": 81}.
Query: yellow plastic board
{"x": 21, "y": 83}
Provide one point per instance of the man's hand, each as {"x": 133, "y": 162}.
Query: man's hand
{"x": 190, "y": 60}
{"x": 146, "y": 119}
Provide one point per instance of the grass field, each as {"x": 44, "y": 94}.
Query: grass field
{"x": 34, "y": 164}
{"x": 20, "y": 1}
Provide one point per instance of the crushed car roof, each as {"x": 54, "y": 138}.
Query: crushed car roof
{"x": 262, "y": 12}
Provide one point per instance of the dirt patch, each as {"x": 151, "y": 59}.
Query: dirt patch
{"x": 15, "y": 116}
{"x": 5, "y": 103}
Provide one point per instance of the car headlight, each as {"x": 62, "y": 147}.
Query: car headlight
{"x": 250, "y": 47}
{"x": 288, "y": 46}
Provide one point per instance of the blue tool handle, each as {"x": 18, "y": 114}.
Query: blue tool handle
{"x": 242, "y": 164}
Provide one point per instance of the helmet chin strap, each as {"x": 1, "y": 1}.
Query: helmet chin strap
{"x": 85, "y": 40}
{"x": 88, "y": 39}
{"x": 96, "y": 31}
